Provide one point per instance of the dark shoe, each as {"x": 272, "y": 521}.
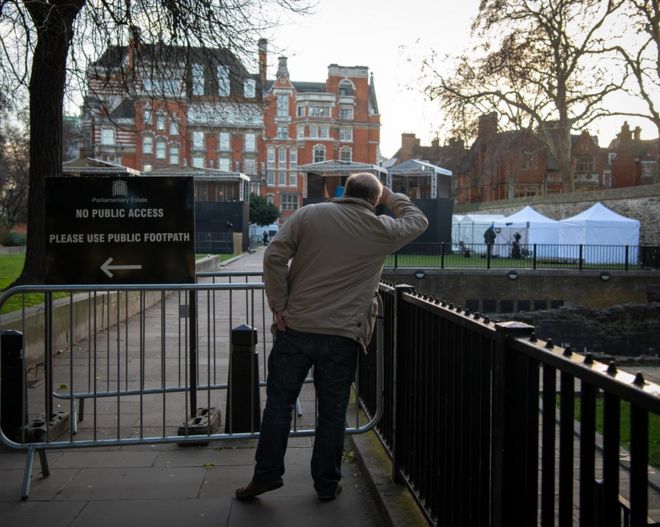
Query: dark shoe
{"x": 329, "y": 496}
{"x": 254, "y": 488}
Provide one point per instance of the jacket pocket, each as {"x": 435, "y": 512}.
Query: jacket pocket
{"x": 366, "y": 322}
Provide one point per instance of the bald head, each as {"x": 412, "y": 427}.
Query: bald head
{"x": 364, "y": 186}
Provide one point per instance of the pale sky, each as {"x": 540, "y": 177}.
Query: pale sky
{"x": 391, "y": 39}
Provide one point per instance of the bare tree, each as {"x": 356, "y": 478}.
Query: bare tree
{"x": 642, "y": 59}
{"x": 46, "y": 44}
{"x": 14, "y": 166}
{"x": 539, "y": 64}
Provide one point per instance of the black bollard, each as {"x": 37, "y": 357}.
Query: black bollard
{"x": 12, "y": 383}
{"x": 243, "y": 413}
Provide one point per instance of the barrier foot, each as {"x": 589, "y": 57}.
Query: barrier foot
{"x": 27, "y": 474}
{"x": 207, "y": 421}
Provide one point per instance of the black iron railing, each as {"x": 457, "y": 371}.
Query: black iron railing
{"x": 529, "y": 256}
{"x": 472, "y": 412}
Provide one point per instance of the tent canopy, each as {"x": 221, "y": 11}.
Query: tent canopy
{"x": 599, "y": 226}
{"x": 471, "y": 227}
{"x": 541, "y": 230}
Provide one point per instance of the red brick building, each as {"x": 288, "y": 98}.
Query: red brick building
{"x": 162, "y": 108}
{"x": 632, "y": 160}
{"x": 311, "y": 122}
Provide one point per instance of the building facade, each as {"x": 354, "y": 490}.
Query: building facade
{"x": 311, "y": 122}
{"x": 158, "y": 108}
{"x": 204, "y": 111}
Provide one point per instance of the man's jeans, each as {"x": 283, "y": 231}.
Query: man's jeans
{"x": 334, "y": 359}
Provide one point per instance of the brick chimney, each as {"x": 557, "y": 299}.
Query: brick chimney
{"x": 637, "y": 134}
{"x": 134, "y": 44}
{"x": 282, "y": 69}
{"x": 487, "y": 125}
{"x": 263, "y": 61}
{"x": 625, "y": 136}
{"x": 408, "y": 145}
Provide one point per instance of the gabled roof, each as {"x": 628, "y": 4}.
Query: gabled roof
{"x": 125, "y": 110}
{"x": 415, "y": 166}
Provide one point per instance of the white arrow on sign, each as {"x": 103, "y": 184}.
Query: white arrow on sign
{"x": 106, "y": 267}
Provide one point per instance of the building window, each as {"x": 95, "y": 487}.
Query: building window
{"x": 223, "y": 81}
{"x": 346, "y": 154}
{"x": 319, "y": 153}
{"x": 282, "y": 132}
{"x": 271, "y": 158}
{"x": 319, "y": 111}
{"x": 289, "y": 201}
{"x": 198, "y": 140}
{"x": 611, "y": 157}
{"x": 224, "y": 141}
{"x": 174, "y": 155}
{"x": 250, "y": 167}
{"x": 281, "y": 177}
{"x": 345, "y": 134}
{"x": 314, "y": 132}
{"x": 346, "y": 113}
{"x": 584, "y": 165}
{"x": 146, "y": 168}
{"x": 346, "y": 88}
{"x": 250, "y": 89}
{"x": 161, "y": 149}
{"x": 325, "y": 132}
{"x": 301, "y": 131}
{"x": 224, "y": 164}
{"x": 160, "y": 121}
{"x": 250, "y": 143}
{"x": 147, "y": 145}
{"x": 198, "y": 79}
{"x": 282, "y": 105}
{"x": 198, "y": 161}
{"x": 107, "y": 136}
{"x": 174, "y": 127}
{"x": 147, "y": 116}
{"x": 293, "y": 179}
{"x": 300, "y": 111}
{"x": 528, "y": 160}
{"x": 293, "y": 158}
{"x": 270, "y": 178}
{"x": 282, "y": 158}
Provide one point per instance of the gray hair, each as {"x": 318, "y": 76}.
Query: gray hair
{"x": 364, "y": 186}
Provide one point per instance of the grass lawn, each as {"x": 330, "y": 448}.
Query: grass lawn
{"x": 11, "y": 266}
{"x": 478, "y": 261}
{"x": 654, "y": 428}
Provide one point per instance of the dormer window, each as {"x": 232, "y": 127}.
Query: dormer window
{"x": 197, "y": 79}
{"x": 250, "y": 89}
{"x": 223, "y": 81}
{"x": 346, "y": 88}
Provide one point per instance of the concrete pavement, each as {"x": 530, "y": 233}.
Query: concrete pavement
{"x": 167, "y": 485}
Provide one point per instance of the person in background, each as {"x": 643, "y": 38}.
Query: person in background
{"x": 325, "y": 306}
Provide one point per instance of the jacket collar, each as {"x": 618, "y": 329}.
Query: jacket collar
{"x": 355, "y": 201}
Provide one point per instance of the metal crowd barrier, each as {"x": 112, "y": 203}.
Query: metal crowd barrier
{"x": 144, "y": 364}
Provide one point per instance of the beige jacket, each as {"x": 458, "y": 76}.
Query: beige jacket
{"x": 337, "y": 250}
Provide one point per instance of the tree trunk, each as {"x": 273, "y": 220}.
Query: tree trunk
{"x": 54, "y": 23}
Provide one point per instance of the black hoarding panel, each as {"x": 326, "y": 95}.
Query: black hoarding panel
{"x": 111, "y": 230}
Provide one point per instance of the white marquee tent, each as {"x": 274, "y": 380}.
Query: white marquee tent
{"x": 604, "y": 233}
{"x": 534, "y": 228}
{"x": 471, "y": 229}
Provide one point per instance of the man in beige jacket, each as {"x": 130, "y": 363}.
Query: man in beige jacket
{"x": 325, "y": 306}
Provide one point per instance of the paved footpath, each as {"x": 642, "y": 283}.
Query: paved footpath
{"x": 167, "y": 485}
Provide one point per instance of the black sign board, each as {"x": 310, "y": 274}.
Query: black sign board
{"x": 112, "y": 230}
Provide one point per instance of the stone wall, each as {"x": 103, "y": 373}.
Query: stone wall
{"x": 627, "y": 330}
{"x": 641, "y": 203}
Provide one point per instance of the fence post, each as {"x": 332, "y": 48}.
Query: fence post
{"x": 192, "y": 319}
{"x": 397, "y": 427}
{"x": 626, "y": 267}
{"x": 396, "y": 260}
{"x": 514, "y": 481}
{"x": 12, "y": 384}
{"x": 580, "y": 258}
{"x": 243, "y": 411}
{"x": 442, "y": 255}
{"x": 534, "y": 258}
